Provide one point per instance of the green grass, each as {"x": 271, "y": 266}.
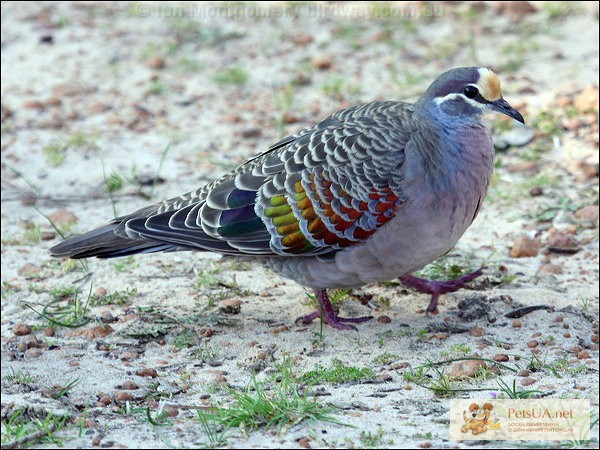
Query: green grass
{"x": 337, "y": 373}
{"x": 447, "y": 268}
{"x": 232, "y": 75}
{"x": 56, "y": 151}
{"x": 256, "y": 407}
{"x": 116, "y": 298}
{"x": 22, "y": 376}
{"x": 514, "y": 392}
{"x": 66, "y": 308}
{"x": 369, "y": 439}
{"x": 18, "y": 430}
{"x": 385, "y": 358}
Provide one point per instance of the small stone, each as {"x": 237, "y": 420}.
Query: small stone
{"x": 104, "y": 400}
{"x": 399, "y": 365}
{"x": 524, "y": 373}
{"x": 536, "y": 191}
{"x": 62, "y": 218}
{"x": 302, "y": 39}
{"x": 518, "y": 136}
{"x": 99, "y": 331}
{"x": 21, "y": 329}
{"x": 53, "y": 101}
{"x": 322, "y": 62}
{"x": 466, "y": 369}
{"x": 525, "y": 247}
{"x": 251, "y": 133}
{"x": 100, "y": 292}
{"x": 304, "y": 443}
{"x": 29, "y": 271}
{"x": 384, "y": 319}
{"x": 171, "y": 410}
{"x": 516, "y": 10}
{"x": 32, "y": 353}
{"x": 31, "y": 341}
{"x": 517, "y": 323}
{"x": 528, "y": 381}
{"x": 129, "y": 385}
{"x": 561, "y": 242}
{"x": 49, "y": 331}
{"x": 501, "y": 357}
{"x": 587, "y": 100}
{"x": 588, "y": 214}
{"x": 425, "y": 445}
{"x": 47, "y": 235}
{"x": 121, "y": 397}
{"x": 129, "y": 356}
{"x": 280, "y": 329}
{"x": 550, "y": 268}
{"x": 477, "y": 332}
{"x": 147, "y": 373}
{"x": 230, "y": 306}
{"x": 302, "y": 79}
{"x": 533, "y": 344}
{"x": 407, "y": 387}
{"x": 584, "y": 354}
{"x": 156, "y": 62}
{"x": 33, "y": 104}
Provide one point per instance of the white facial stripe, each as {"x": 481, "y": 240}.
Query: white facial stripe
{"x": 454, "y": 95}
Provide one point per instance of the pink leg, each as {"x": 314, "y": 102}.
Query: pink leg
{"x": 330, "y": 316}
{"x": 436, "y": 288}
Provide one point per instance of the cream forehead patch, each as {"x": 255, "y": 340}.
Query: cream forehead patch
{"x": 489, "y": 85}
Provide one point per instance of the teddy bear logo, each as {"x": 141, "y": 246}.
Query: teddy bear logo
{"x": 478, "y": 419}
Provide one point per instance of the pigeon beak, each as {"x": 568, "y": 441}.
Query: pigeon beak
{"x": 503, "y": 107}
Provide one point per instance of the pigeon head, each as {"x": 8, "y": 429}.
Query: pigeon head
{"x": 467, "y": 92}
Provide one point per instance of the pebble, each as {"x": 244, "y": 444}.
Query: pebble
{"x": 533, "y": 344}
{"x": 518, "y": 136}
{"x": 49, "y": 331}
{"x": 384, "y": 319}
{"x": 516, "y": 10}
{"x": 587, "y": 100}
{"x": 466, "y": 369}
{"x": 29, "y": 271}
{"x": 156, "y": 62}
{"x": 477, "y": 332}
{"x": 104, "y": 400}
{"x": 528, "y": 381}
{"x": 302, "y": 39}
{"x": 121, "y": 396}
{"x": 322, "y": 62}
{"x": 63, "y": 217}
{"x": 561, "y": 242}
{"x": 304, "y": 443}
{"x": 99, "y": 331}
{"x": 230, "y": 306}
{"x": 501, "y": 357}
{"x": 145, "y": 372}
{"x": 588, "y": 215}
{"x": 584, "y": 354}
{"x": 525, "y": 246}
{"x": 129, "y": 385}
{"x": 517, "y": 323}
{"x": 524, "y": 373}
{"x": 21, "y": 329}
{"x": 32, "y": 353}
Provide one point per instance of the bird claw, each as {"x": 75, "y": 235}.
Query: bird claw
{"x": 329, "y": 315}
{"x": 437, "y": 288}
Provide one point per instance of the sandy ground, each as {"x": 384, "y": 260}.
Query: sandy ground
{"x": 97, "y": 94}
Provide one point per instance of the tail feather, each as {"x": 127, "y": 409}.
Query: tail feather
{"x": 104, "y": 243}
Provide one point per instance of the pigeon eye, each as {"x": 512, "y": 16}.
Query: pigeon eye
{"x": 471, "y": 91}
